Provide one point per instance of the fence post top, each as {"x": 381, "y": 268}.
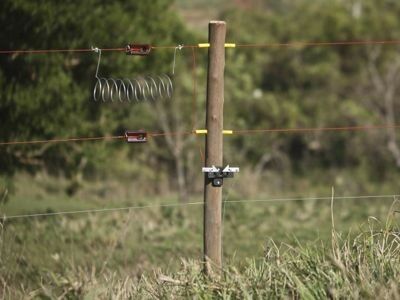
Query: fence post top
{"x": 218, "y": 22}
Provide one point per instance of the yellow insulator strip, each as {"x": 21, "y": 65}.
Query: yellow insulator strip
{"x": 201, "y": 131}
{"x": 204, "y": 45}
{"x": 207, "y": 45}
{"x": 230, "y": 45}
{"x": 204, "y": 131}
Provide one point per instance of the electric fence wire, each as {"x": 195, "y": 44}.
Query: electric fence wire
{"x": 234, "y": 132}
{"x": 238, "y": 45}
{"x": 50, "y": 51}
{"x": 63, "y": 140}
{"x": 249, "y": 201}
{"x": 83, "y": 139}
{"x": 320, "y": 44}
{"x": 313, "y": 129}
{"x": 194, "y": 96}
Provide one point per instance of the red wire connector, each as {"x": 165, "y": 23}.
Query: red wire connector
{"x": 138, "y": 49}
{"x": 137, "y": 136}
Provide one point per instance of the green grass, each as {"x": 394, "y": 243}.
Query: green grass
{"x": 102, "y": 254}
{"x": 365, "y": 266}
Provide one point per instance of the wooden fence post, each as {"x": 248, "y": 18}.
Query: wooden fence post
{"x": 214, "y": 141}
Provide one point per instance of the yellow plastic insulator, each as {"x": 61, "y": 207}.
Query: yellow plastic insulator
{"x": 201, "y": 131}
{"x": 230, "y": 45}
{"x": 207, "y": 45}
{"x": 204, "y": 45}
{"x": 204, "y": 131}
{"x": 227, "y": 131}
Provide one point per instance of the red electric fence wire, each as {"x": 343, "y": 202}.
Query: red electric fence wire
{"x": 81, "y": 50}
{"x": 264, "y": 45}
{"x": 202, "y": 157}
{"x": 158, "y": 134}
{"x": 238, "y": 132}
{"x": 48, "y": 51}
{"x": 173, "y": 47}
{"x": 83, "y": 139}
{"x": 194, "y": 106}
{"x": 316, "y": 44}
{"x": 78, "y": 139}
{"x": 294, "y": 130}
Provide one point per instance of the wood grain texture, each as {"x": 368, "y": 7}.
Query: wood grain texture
{"x": 214, "y": 145}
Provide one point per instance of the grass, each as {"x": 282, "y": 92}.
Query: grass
{"x": 271, "y": 250}
{"x": 365, "y": 266}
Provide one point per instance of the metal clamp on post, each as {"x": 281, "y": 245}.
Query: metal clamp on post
{"x": 138, "y": 136}
{"x": 217, "y": 174}
{"x": 138, "y": 49}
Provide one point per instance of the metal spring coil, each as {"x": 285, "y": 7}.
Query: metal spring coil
{"x": 131, "y": 90}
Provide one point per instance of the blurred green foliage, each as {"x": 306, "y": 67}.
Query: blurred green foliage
{"x": 47, "y": 96}
{"x": 289, "y": 87}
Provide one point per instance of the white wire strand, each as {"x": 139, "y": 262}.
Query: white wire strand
{"x": 97, "y": 210}
{"x": 5, "y": 217}
{"x": 313, "y": 198}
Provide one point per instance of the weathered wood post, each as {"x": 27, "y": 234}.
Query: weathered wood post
{"x": 214, "y": 140}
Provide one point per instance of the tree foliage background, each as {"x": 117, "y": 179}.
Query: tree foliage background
{"x": 318, "y": 86}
